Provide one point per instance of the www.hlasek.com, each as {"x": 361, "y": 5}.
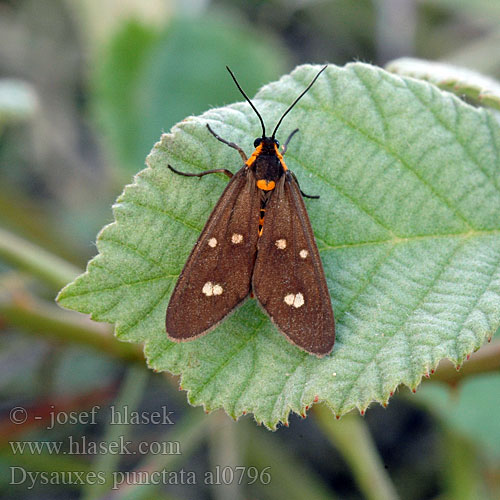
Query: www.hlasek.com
{"x": 83, "y": 446}
{"x": 221, "y": 475}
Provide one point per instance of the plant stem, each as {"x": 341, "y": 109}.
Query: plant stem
{"x": 353, "y": 440}
{"x": 224, "y": 444}
{"x": 43, "y": 318}
{"x": 24, "y": 255}
{"x": 128, "y": 400}
{"x": 460, "y": 469}
{"x": 291, "y": 477}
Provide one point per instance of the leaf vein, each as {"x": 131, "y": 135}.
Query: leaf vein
{"x": 195, "y": 392}
{"x": 400, "y": 327}
{"x": 392, "y": 153}
{"x": 459, "y": 140}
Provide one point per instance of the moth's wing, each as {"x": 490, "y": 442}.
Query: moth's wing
{"x": 217, "y": 274}
{"x": 288, "y": 278}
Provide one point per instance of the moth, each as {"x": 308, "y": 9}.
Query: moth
{"x": 257, "y": 241}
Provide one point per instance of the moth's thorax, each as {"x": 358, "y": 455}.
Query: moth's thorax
{"x": 267, "y": 163}
{"x": 267, "y": 167}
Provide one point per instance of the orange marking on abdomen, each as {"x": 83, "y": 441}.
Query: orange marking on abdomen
{"x": 262, "y": 215}
{"x": 265, "y": 185}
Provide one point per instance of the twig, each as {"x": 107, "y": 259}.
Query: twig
{"x": 353, "y": 440}
{"x": 24, "y": 255}
{"x": 44, "y": 319}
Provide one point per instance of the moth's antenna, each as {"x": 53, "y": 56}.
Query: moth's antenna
{"x": 298, "y": 99}
{"x": 249, "y": 102}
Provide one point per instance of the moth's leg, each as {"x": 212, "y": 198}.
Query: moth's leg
{"x": 201, "y": 174}
{"x": 230, "y": 144}
{"x": 314, "y": 197}
{"x": 285, "y": 146}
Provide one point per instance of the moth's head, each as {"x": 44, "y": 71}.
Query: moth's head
{"x": 267, "y": 142}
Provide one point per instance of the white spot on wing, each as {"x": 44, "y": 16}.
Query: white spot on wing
{"x": 299, "y": 300}
{"x": 304, "y": 253}
{"x": 212, "y": 242}
{"x": 236, "y": 238}
{"x": 210, "y": 289}
{"x": 280, "y": 244}
{"x": 295, "y": 300}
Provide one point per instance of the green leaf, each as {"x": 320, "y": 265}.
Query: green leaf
{"x": 461, "y": 81}
{"x": 407, "y": 224}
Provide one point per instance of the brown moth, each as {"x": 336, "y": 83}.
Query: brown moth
{"x": 258, "y": 240}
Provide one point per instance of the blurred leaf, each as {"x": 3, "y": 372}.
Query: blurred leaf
{"x": 460, "y": 81}
{"x": 465, "y": 408}
{"x": 17, "y": 100}
{"x": 149, "y": 81}
{"x": 116, "y": 82}
{"x": 407, "y": 226}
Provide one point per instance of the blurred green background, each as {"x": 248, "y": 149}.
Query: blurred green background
{"x": 86, "y": 89}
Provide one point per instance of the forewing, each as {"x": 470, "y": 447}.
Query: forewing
{"x": 217, "y": 274}
{"x": 288, "y": 278}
